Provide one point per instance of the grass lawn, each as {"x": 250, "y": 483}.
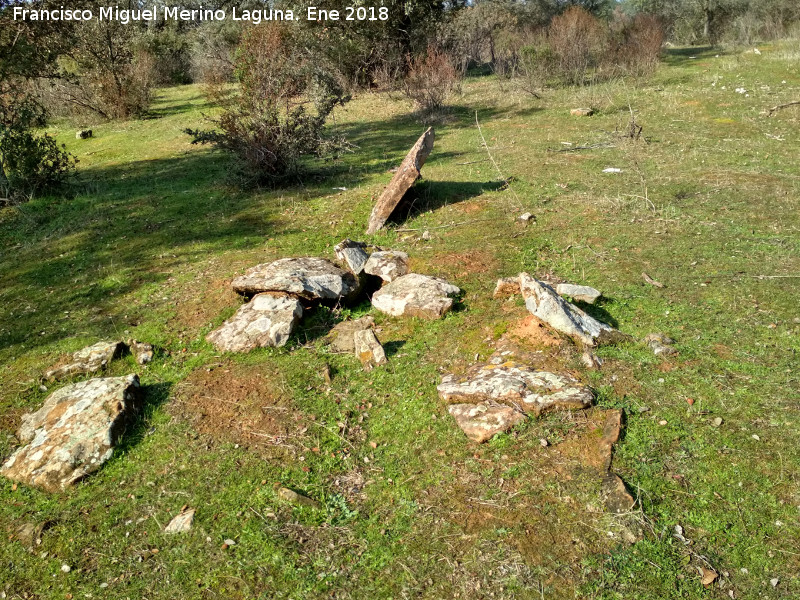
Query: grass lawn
{"x": 709, "y": 205}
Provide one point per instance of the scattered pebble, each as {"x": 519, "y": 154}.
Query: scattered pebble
{"x": 66, "y": 568}
{"x": 662, "y": 422}
{"x": 544, "y": 443}
{"x": 774, "y": 582}
{"x": 756, "y": 438}
{"x": 717, "y": 422}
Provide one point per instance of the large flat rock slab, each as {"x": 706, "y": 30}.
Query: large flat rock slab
{"x": 266, "y": 321}
{"x": 480, "y": 422}
{"x": 543, "y": 302}
{"x": 309, "y": 278}
{"x": 516, "y": 385}
{"x": 87, "y": 361}
{"x": 404, "y": 178}
{"x": 416, "y": 295}
{"x": 73, "y": 433}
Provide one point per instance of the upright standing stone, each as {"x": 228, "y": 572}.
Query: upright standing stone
{"x": 404, "y": 178}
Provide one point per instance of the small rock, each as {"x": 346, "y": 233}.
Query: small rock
{"x": 480, "y": 422}
{"x": 717, "y": 422}
{"x": 660, "y": 344}
{"x": 387, "y": 264}
{"x": 341, "y": 336}
{"x": 368, "y": 349}
{"x": 309, "y": 278}
{"x": 295, "y": 498}
{"x": 83, "y": 134}
{"x": 583, "y": 293}
{"x": 265, "y": 321}
{"x": 615, "y": 494}
{"x": 774, "y": 582}
{"x": 229, "y": 542}
{"x": 142, "y": 352}
{"x": 581, "y": 112}
{"x": 612, "y": 170}
{"x": 43, "y": 388}
{"x": 543, "y": 443}
{"x": 506, "y": 287}
{"x": 65, "y": 568}
{"x": 426, "y": 235}
{"x": 543, "y": 302}
{"x": 590, "y": 360}
{"x": 354, "y": 254}
{"x": 415, "y": 295}
{"x": 87, "y": 361}
{"x": 182, "y": 522}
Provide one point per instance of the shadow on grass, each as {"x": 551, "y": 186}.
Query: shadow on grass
{"x": 682, "y": 57}
{"x": 427, "y": 196}
{"x": 138, "y": 427}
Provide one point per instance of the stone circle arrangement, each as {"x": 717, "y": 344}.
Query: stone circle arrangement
{"x": 78, "y": 426}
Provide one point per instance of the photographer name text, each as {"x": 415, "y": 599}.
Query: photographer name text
{"x": 176, "y": 13}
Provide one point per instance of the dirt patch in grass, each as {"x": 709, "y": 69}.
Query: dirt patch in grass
{"x": 241, "y": 404}
{"x": 470, "y": 208}
{"x": 461, "y": 264}
{"x": 532, "y": 332}
{"x": 199, "y": 307}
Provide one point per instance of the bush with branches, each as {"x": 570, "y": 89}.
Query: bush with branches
{"x": 578, "y": 41}
{"x": 268, "y": 124}
{"x": 29, "y": 162}
{"x": 430, "y": 79}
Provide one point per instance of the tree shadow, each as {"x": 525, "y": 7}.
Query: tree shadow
{"x": 598, "y": 312}
{"x": 681, "y": 57}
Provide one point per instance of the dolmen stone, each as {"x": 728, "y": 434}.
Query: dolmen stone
{"x": 416, "y": 295}
{"x": 543, "y": 302}
{"x": 583, "y": 293}
{"x": 404, "y": 178}
{"x": 266, "y": 321}
{"x": 517, "y": 385}
{"x": 341, "y": 337}
{"x": 368, "y": 349}
{"x": 353, "y": 254}
{"x": 481, "y": 422}
{"x": 87, "y": 361}
{"x": 308, "y": 278}
{"x": 387, "y": 264}
{"x": 73, "y": 433}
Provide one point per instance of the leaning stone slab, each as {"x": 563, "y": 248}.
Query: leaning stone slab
{"x": 309, "y": 278}
{"x": 353, "y": 254}
{"x": 265, "y": 321}
{"x": 73, "y": 433}
{"x": 480, "y": 422}
{"x": 387, "y": 264}
{"x": 517, "y": 385}
{"x": 584, "y": 293}
{"x": 89, "y": 360}
{"x": 368, "y": 349}
{"x": 415, "y": 295}
{"x": 543, "y": 302}
{"x": 404, "y": 178}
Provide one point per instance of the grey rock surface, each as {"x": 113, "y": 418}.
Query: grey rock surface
{"x": 584, "y": 293}
{"x": 266, "y": 321}
{"x": 416, "y": 295}
{"x": 73, "y": 433}
{"x": 89, "y": 360}
{"x": 310, "y": 278}
{"x": 387, "y": 264}
{"x": 482, "y": 421}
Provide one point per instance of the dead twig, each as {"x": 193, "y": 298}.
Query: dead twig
{"x": 496, "y": 166}
{"x": 577, "y": 148}
{"x": 775, "y": 109}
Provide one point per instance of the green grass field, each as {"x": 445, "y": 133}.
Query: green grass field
{"x": 708, "y": 204}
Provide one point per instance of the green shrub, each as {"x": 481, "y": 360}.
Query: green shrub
{"x": 267, "y": 124}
